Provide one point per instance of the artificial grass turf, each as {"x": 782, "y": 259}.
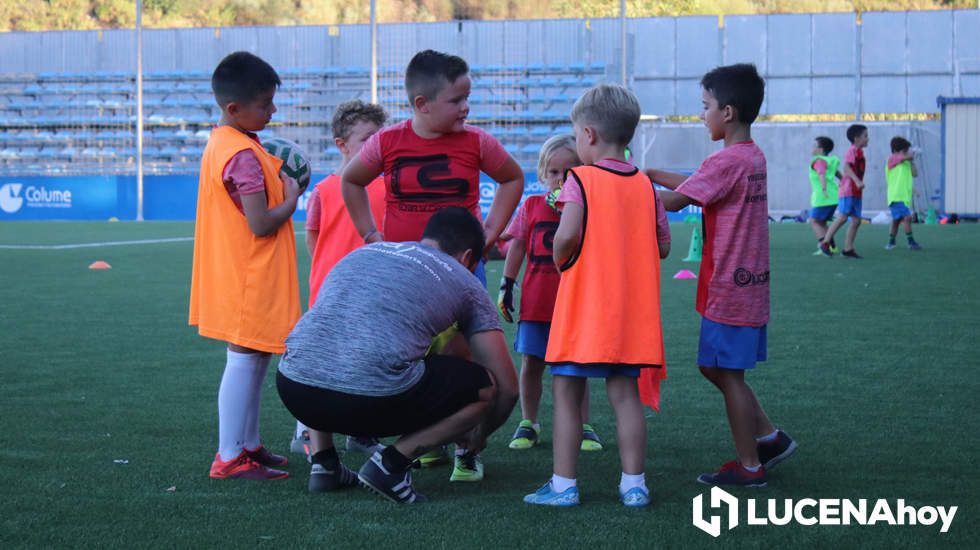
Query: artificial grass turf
{"x": 872, "y": 368}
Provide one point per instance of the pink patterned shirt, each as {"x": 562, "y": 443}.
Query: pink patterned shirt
{"x": 730, "y": 186}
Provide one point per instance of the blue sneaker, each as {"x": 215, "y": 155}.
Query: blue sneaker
{"x": 548, "y": 497}
{"x": 637, "y": 497}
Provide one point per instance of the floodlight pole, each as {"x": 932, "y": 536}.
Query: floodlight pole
{"x": 139, "y": 110}
{"x": 374, "y": 51}
{"x": 622, "y": 44}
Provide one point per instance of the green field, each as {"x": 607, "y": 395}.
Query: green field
{"x": 873, "y": 368}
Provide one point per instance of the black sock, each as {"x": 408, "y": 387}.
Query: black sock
{"x": 833, "y": 243}
{"x": 909, "y": 237}
{"x": 326, "y": 457}
{"x": 891, "y": 238}
{"x": 393, "y": 460}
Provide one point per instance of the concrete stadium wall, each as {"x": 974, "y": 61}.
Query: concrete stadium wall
{"x": 814, "y": 63}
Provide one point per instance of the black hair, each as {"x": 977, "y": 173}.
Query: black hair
{"x": 241, "y": 77}
{"x": 825, "y": 143}
{"x": 737, "y": 85}
{"x": 855, "y": 130}
{"x": 429, "y": 71}
{"x": 456, "y": 230}
{"x": 900, "y": 144}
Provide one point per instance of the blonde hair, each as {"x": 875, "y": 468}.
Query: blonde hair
{"x": 552, "y": 146}
{"x": 611, "y": 109}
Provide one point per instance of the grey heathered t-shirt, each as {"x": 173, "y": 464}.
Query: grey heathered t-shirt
{"x": 375, "y": 317}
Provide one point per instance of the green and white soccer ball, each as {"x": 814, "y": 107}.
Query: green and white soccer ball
{"x": 295, "y": 163}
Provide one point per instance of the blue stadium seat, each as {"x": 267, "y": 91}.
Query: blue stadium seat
{"x": 531, "y": 148}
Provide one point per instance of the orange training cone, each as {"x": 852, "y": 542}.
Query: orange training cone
{"x": 99, "y": 265}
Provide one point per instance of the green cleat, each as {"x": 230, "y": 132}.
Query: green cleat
{"x": 434, "y": 457}
{"x": 525, "y": 437}
{"x": 590, "y": 439}
{"x": 467, "y": 467}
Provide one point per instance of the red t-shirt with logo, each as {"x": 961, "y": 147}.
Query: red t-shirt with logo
{"x": 730, "y": 186}
{"x": 855, "y": 159}
{"x": 536, "y": 224}
{"x": 423, "y": 176}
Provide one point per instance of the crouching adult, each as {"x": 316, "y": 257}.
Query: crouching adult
{"x": 356, "y": 362}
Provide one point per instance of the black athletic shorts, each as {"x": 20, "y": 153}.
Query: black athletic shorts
{"x": 448, "y": 384}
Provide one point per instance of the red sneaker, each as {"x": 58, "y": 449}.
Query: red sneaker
{"x": 243, "y": 467}
{"x": 265, "y": 458}
{"x": 733, "y": 473}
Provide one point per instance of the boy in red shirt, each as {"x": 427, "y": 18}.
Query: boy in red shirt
{"x": 733, "y": 286}
{"x": 850, "y": 191}
{"x": 433, "y": 160}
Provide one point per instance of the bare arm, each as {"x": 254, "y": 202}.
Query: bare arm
{"x": 510, "y": 178}
{"x": 915, "y": 171}
{"x": 674, "y": 201}
{"x": 569, "y": 233}
{"x": 264, "y": 221}
{"x": 670, "y": 180}
{"x": 311, "y": 237}
{"x": 353, "y": 183}
{"x": 490, "y": 350}
{"x": 850, "y": 173}
{"x": 664, "y": 249}
{"x": 515, "y": 257}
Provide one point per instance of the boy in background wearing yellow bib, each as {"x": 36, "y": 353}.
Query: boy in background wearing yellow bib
{"x": 899, "y": 173}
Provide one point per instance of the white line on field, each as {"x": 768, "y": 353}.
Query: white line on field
{"x": 95, "y": 245}
{"x": 90, "y": 245}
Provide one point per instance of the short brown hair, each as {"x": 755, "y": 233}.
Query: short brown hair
{"x": 349, "y": 113}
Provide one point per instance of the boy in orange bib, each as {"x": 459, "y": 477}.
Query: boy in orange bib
{"x": 606, "y": 321}
{"x": 244, "y": 285}
{"x": 331, "y": 235}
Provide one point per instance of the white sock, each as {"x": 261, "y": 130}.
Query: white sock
{"x": 260, "y": 364}
{"x": 752, "y": 469}
{"x": 560, "y": 484}
{"x": 460, "y": 451}
{"x": 234, "y": 402}
{"x": 628, "y": 481}
{"x": 300, "y": 428}
{"x": 536, "y": 426}
{"x": 768, "y": 438}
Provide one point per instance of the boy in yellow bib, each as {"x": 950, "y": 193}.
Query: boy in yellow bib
{"x": 900, "y": 172}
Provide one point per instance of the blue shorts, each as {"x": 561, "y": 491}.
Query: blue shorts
{"x": 899, "y": 210}
{"x": 731, "y": 347}
{"x": 823, "y": 213}
{"x": 594, "y": 371}
{"x": 850, "y": 206}
{"x": 481, "y": 272}
{"x": 532, "y": 338}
